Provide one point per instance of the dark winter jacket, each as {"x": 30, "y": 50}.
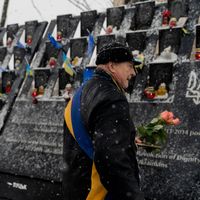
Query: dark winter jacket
{"x": 105, "y": 114}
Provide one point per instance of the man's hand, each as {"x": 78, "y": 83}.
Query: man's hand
{"x": 138, "y": 140}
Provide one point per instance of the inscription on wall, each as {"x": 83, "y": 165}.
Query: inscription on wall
{"x": 193, "y": 87}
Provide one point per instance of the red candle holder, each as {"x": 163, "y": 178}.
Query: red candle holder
{"x": 197, "y": 55}
{"x": 29, "y": 40}
{"x": 34, "y": 93}
{"x": 52, "y": 62}
{"x": 59, "y": 36}
{"x": 8, "y": 89}
{"x": 149, "y": 92}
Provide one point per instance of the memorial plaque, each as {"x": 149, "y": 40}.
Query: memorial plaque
{"x": 2, "y": 32}
{"x": 41, "y": 77}
{"x": 63, "y": 25}
{"x": 115, "y": 16}
{"x": 30, "y": 28}
{"x": 198, "y": 36}
{"x": 132, "y": 13}
{"x": 144, "y": 15}
{"x": 73, "y": 23}
{"x": 64, "y": 78}
{"x": 160, "y": 73}
{"x": 19, "y": 54}
{"x": 88, "y": 20}
{"x": 78, "y": 47}
{"x": 11, "y": 30}
{"x": 120, "y": 39}
{"x": 3, "y": 52}
{"x": 7, "y": 79}
{"x": 178, "y": 8}
{"x": 170, "y": 37}
{"x": 51, "y": 51}
{"x": 136, "y": 40}
{"x": 103, "y": 40}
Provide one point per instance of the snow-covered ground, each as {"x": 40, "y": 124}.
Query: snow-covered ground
{"x": 20, "y": 11}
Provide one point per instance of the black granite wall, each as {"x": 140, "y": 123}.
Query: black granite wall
{"x": 173, "y": 173}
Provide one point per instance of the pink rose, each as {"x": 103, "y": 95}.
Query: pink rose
{"x": 176, "y": 121}
{"x": 170, "y": 115}
{"x": 165, "y": 115}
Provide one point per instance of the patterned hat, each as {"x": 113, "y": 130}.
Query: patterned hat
{"x": 115, "y": 52}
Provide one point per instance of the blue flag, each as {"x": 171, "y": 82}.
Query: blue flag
{"x": 56, "y": 44}
{"x": 91, "y": 45}
{"x": 20, "y": 45}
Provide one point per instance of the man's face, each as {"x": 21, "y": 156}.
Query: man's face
{"x": 122, "y": 73}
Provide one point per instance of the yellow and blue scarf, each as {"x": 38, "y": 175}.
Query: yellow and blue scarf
{"x": 80, "y": 134}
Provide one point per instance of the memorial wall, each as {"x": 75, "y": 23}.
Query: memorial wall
{"x": 35, "y": 84}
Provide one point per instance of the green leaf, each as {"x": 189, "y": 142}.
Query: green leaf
{"x": 149, "y": 132}
{"x": 154, "y": 120}
{"x": 157, "y": 127}
{"x": 141, "y": 131}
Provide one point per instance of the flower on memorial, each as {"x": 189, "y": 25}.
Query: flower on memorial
{"x": 109, "y": 29}
{"x": 165, "y": 17}
{"x": 153, "y": 135}
{"x": 166, "y": 13}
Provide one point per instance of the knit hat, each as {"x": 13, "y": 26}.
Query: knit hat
{"x": 115, "y": 52}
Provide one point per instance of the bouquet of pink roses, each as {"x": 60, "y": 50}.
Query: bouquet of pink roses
{"x": 153, "y": 135}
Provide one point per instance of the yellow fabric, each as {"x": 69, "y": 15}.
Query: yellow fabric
{"x": 68, "y": 68}
{"x": 68, "y": 118}
{"x": 97, "y": 192}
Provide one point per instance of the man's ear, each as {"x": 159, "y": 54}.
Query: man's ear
{"x": 111, "y": 67}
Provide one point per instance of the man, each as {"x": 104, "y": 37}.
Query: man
{"x": 99, "y": 149}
